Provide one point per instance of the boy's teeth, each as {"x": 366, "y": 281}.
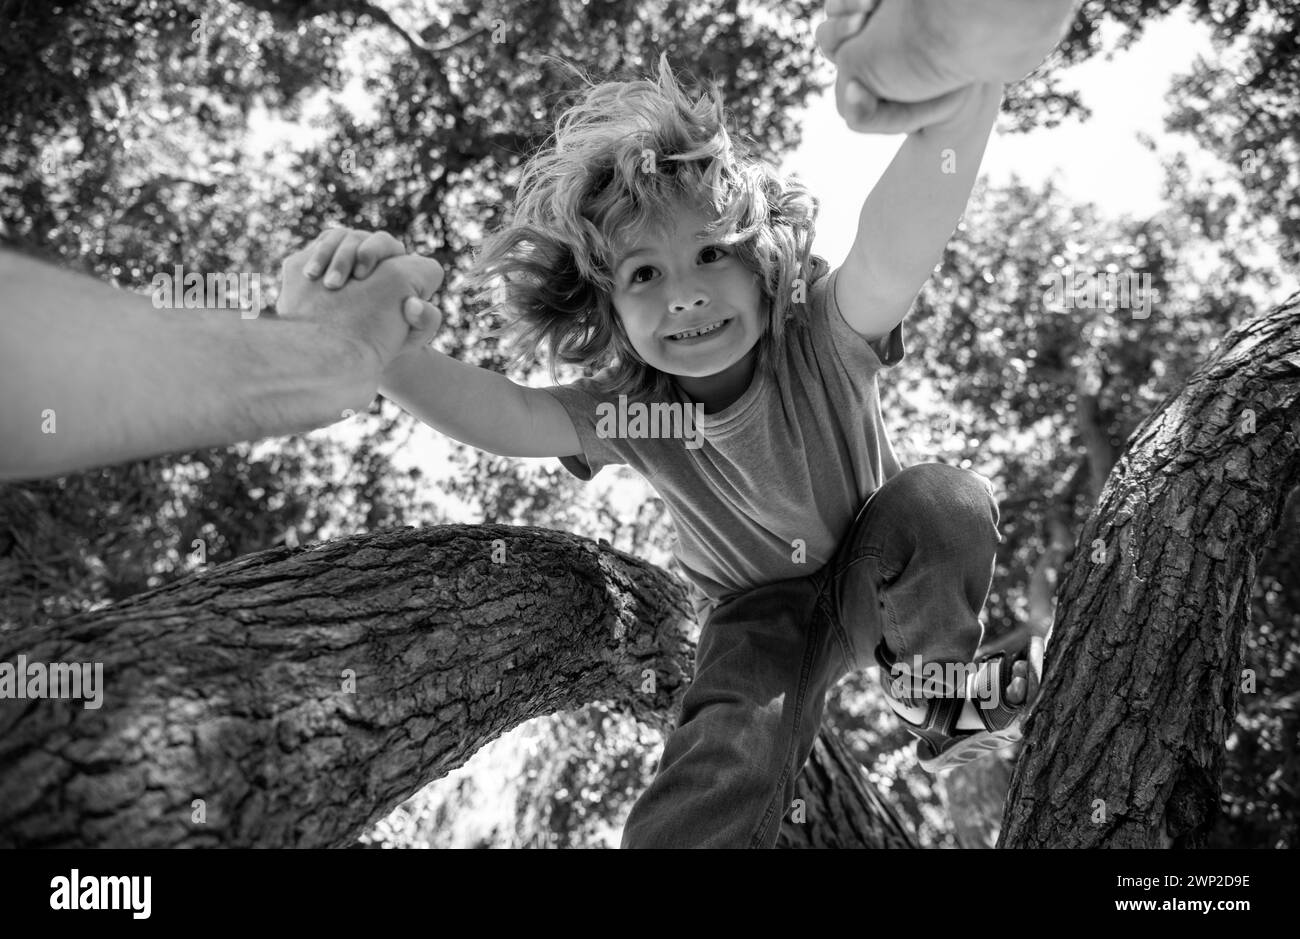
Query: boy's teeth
{"x": 699, "y": 332}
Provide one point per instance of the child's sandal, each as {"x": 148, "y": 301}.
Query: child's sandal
{"x": 941, "y": 745}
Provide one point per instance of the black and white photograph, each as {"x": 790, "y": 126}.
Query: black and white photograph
{"x": 599, "y": 424}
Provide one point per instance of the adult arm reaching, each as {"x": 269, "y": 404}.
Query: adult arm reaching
{"x": 92, "y": 375}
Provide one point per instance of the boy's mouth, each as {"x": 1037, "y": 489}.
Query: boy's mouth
{"x": 698, "y": 332}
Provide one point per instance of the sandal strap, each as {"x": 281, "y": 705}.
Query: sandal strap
{"x": 938, "y": 728}
{"x": 939, "y": 725}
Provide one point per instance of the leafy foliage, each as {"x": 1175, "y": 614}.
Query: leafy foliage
{"x": 1241, "y": 106}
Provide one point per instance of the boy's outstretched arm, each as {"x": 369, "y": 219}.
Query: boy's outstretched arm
{"x": 912, "y": 212}
{"x": 482, "y": 408}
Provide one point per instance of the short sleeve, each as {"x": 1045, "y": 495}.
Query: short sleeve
{"x": 580, "y": 401}
{"x": 883, "y": 352}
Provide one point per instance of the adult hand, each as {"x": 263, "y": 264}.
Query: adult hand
{"x": 376, "y": 313}
{"x": 914, "y": 55}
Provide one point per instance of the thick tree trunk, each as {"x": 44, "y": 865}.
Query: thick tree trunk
{"x": 301, "y": 694}
{"x": 1125, "y": 747}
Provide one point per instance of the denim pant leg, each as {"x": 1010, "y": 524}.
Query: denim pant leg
{"x": 917, "y": 565}
{"x": 764, "y": 663}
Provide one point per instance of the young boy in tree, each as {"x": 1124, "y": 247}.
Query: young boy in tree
{"x": 648, "y": 246}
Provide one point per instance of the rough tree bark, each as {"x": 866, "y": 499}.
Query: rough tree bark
{"x": 303, "y": 693}
{"x": 1125, "y": 746}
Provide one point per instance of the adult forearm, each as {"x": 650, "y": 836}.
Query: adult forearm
{"x": 94, "y": 375}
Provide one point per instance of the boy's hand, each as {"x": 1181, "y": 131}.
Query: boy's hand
{"x": 341, "y": 254}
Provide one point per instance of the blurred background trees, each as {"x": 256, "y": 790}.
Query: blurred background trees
{"x": 138, "y": 135}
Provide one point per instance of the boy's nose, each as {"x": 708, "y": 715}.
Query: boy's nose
{"x": 681, "y": 306}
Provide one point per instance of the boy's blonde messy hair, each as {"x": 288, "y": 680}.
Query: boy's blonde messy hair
{"x": 621, "y": 158}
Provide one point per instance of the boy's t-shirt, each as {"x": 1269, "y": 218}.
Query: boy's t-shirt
{"x": 769, "y": 486}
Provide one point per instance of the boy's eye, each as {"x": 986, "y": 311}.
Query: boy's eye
{"x": 707, "y": 254}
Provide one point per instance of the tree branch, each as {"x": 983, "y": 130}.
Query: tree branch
{"x": 231, "y": 685}
{"x": 294, "y": 696}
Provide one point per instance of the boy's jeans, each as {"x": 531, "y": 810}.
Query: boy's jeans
{"x": 915, "y": 569}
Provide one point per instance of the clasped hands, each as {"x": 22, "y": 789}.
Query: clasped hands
{"x": 364, "y": 286}
{"x": 903, "y": 65}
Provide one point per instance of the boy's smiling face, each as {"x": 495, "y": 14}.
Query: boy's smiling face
{"x": 689, "y": 306}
